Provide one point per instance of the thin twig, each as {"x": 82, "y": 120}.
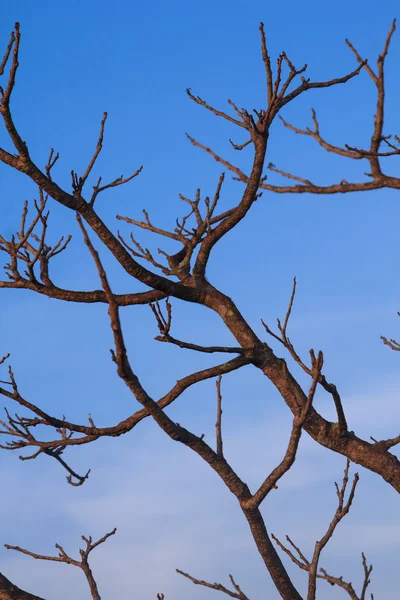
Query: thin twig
{"x": 63, "y": 557}
{"x": 217, "y": 586}
{"x": 218, "y": 425}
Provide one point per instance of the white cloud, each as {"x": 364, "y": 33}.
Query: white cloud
{"x": 172, "y": 511}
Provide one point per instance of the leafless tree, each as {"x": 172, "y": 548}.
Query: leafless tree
{"x": 182, "y": 276}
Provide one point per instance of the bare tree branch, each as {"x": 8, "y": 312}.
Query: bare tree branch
{"x": 373, "y": 154}
{"x": 21, "y": 428}
{"x": 197, "y": 233}
{"x": 178, "y": 433}
{"x": 346, "y": 586}
{"x": 164, "y": 326}
{"x": 79, "y": 182}
{"x": 216, "y": 112}
{"x": 284, "y": 339}
{"x": 97, "y": 189}
{"x": 311, "y": 567}
{"x": 63, "y": 557}
{"x": 217, "y": 586}
{"x": 393, "y": 344}
{"x": 53, "y": 158}
{"x": 9, "y": 591}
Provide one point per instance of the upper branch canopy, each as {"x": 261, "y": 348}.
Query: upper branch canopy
{"x": 75, "y": 201}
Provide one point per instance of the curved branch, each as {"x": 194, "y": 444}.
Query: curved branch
{"x": 9, "y": 591}
{"x": 53, "y": 291}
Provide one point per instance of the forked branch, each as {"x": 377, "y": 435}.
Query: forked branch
{"x": 312, "y": 567}
{"x": 22, "y": 429}
{"x": 63, "y": 557}
{"x": 218, "y": 425}
{"x": 164, "y": 325}
{"x": 235, "y": 593}
{"x": 373, "y": 154}
{"x": 178, "y": 433}
{"x": 271, "y": 481}
{"x": 31, "y": 248}
{"x": 284, "y": 339}
{"x": 202, "y": 212}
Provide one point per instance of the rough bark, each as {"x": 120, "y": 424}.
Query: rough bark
{"x": 9, "y": 591}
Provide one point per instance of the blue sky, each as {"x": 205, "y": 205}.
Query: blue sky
{"x": 135, "y": 61}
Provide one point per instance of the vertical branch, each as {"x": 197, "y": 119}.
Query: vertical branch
{"x": 380, "y": 107}
{"x": 218, "y": 425}
{"x": 267, "y": 64}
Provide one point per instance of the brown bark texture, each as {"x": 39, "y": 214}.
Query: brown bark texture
{"x": 183, "y": 276}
